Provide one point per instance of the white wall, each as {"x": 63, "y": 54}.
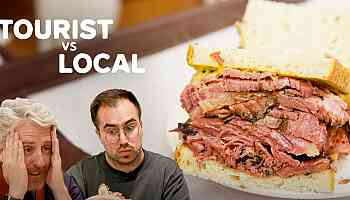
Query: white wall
{"x": 3, "y": 43}
{"x": 75, "y": 9}
{"x": 158, "y": 91}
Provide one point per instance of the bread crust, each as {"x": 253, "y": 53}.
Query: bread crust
{"x": 211, "y": 170}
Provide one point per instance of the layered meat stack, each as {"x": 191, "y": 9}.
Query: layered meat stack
{"x": 254, "y": 119}
{"x": 264, "y": 124}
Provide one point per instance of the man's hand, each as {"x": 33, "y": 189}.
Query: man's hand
{"x": 120, "y": 196}
{"x": 54, "y": 177}
{"x": 13, "y": 167}
{"x": 105, "y": 194}
{"x": 112, "y": 196}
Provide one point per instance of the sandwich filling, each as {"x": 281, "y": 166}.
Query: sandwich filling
{"x": 264, "y": 124}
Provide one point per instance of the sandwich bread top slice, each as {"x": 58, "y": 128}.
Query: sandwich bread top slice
{"x": 297, "y": 27}
{"x": 323, "y": 70}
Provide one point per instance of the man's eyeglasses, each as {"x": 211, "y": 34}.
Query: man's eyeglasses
{"x": 128, "y": 129}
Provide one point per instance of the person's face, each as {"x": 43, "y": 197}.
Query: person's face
{"x": 37, "y": 151}
{"x": 120, "y": 131}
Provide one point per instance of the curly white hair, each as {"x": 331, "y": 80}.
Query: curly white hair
{"x": 13, "y": 110}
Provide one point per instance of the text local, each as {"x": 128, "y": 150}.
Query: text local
{"x": 120, "y": 64}
{"x": 58, "y": 28}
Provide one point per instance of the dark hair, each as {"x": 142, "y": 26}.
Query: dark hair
{"x": 110, "y": 98}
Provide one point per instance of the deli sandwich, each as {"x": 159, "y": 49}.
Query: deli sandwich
{"x": 261, "y": 119}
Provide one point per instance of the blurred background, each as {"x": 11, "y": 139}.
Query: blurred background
{"x": 158, "y": 30}
{"x": 150, "y": 28}
{"x": 29, "y": 68}
{"x": 126, "y": 13}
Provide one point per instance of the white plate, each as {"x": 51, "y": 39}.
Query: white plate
{"x": 343, "y": 167}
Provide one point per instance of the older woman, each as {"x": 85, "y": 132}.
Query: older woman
{"x": 29, "y": 151}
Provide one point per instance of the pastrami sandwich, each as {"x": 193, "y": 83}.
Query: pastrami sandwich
{"x": 260, "y": 119}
